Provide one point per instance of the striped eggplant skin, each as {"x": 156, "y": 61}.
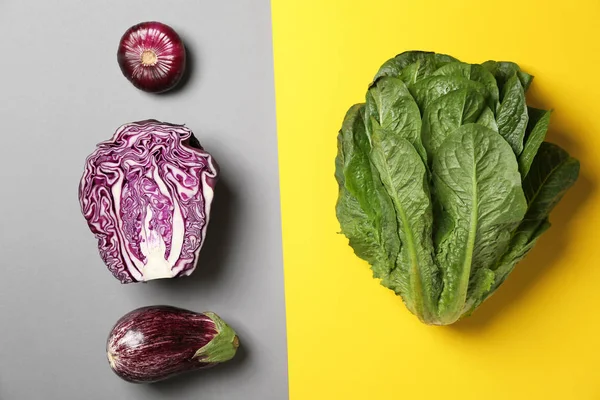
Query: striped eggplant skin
{"x": 154, "y": 343}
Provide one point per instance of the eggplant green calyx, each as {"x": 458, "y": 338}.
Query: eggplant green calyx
{"x": 222, "y": 347}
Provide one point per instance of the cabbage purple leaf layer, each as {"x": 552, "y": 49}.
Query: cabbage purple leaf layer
{"x": 146, "y": 194}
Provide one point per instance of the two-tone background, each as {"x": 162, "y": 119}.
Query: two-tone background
{"x": 269, "y": 86}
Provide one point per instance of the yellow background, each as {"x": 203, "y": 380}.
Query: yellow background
{"x": 349, "y": 338}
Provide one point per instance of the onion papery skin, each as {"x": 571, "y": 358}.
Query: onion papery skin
{"x": 152, "y": 56}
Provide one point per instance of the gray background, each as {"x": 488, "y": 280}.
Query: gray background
{"x": 62, "y": 93}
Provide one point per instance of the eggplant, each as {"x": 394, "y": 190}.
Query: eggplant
{"x": 153, "y": 343}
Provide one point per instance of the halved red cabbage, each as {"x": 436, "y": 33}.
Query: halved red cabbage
{"x": 146, "y": 194}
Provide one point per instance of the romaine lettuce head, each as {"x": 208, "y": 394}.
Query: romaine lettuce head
{"x": 445, "y": 179}
{"x": 146, "y": 195}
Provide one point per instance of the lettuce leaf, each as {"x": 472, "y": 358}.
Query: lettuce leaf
{"x": 445, "y": 181}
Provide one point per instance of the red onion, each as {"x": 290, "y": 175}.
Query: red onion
{"x": 152, "y": 56}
